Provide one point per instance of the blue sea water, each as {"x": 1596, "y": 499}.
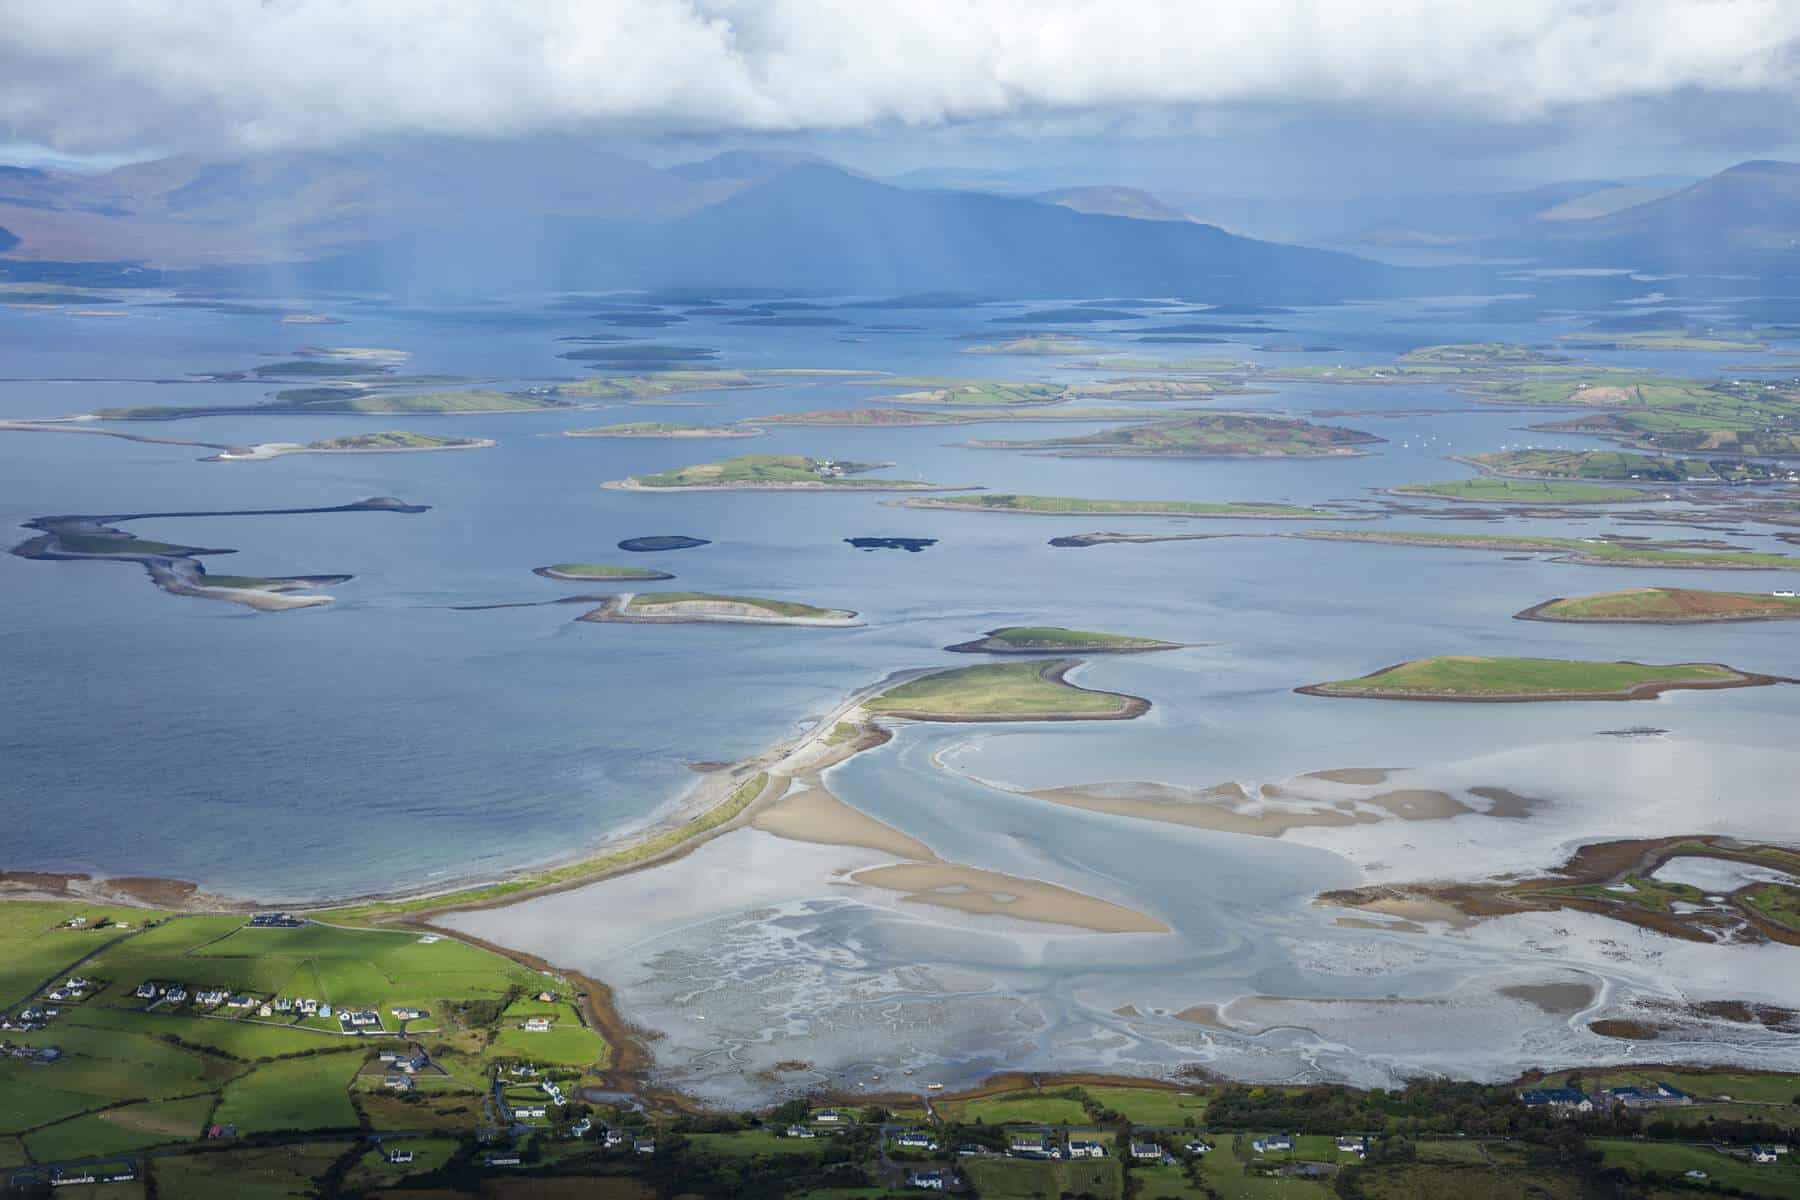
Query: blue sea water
{"x": 390, "y": 741}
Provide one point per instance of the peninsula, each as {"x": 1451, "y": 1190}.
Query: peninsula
{"x": 773, "y": 472}
{"x": 1589, "y": 552}
{"x": 589, "y": 572}
{"x": 341, "y": 400}
{"x": 1614, "y": 465}
{"x": 1499, "y": 680}
{"x": 1489, "y": 490}
{"x": 1214, "y": 435}
{"x": 1068, "y": 506}
{"x": 681, "y": 608}
{"x": 176, "y": 569}
{"x": 1666, "y": 606}
{"x": 1054, "y": 639}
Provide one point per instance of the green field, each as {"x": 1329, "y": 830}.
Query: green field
{"x": 294, "y": 1093}
{"x": 1659, "y": 339}
{"x": 764, "y": 470}
{"x": 1582, "y": 550}
{"x": 390, "y": 440}
{"x": 158, "y": 1069}
{"x": 275, "y": 1173}
{"x": 348, "y": 400}
{"x": 1069, "y": 506}
{"x": 1780, "y": 1179}
{"x": 117, "y": 1130}
{"x": 1025, "y": 1179}
{"x": 1016, "y": 1108}
{"x": 1475, "y": 678}
{"x": 1212, "y": 435}
{"x": 997, "y": 691}
{"x": 651, "y": 602}
{"x": 1515, "y": 491}
{"x": 1151, "y": 1106}
{"x": 1656, "y": 604}
{"x": 1616, "y": 465}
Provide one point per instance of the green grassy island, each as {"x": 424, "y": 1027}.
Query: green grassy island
{"x": 663, "y": 383}
{"x": 1616, "y": 465}
{"x": 588, "y": 572}
{"x": 979, "y": 393}
{"x": 773, "y": 472}
{"x": 1667, "y": 606}
{"x": 1214, "y": 435}
{"x": 1466, "y": 677}
{"x": 1067, "y": 506}
{"x": 1024, "y": 691}
{"x": 1586, "y": 551}
{"x": 706, "y": 607}
{"x": 664, "y": 429}
{"x": 1520, "y": 491}
{"x": 1483, "y": 354}
{"x": 1054, "y": 639}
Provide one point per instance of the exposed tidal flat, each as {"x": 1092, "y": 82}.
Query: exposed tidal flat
{"x": 383, "y": 744}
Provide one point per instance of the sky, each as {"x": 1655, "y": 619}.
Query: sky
{"x": 1258, "y": 96}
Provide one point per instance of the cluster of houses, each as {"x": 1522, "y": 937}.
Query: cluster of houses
{"x": 37, "y": 1056}
{"x": 360, "y": 1020}
{"x": 399, "y": 1067}
{"x": 279, "y": 920}
{"x": 30, "y": 1018}
{"x": 1045, "y": 1145}
{"x": 1568, "y": 1101}
{"x": 73, "y": 990}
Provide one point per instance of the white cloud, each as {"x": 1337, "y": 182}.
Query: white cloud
{"x": 103, "y": 74}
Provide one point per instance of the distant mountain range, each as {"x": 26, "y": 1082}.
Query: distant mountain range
{"x": 455, "y": 218}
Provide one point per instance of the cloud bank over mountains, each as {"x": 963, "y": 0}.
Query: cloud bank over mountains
{"x": 100, "y": 75}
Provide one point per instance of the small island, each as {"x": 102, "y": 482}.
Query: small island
{"x": 1666, "y": 606}
{"x": 1214, "y": 435}
{"x": 681, "y": 608}
{"x": 1054, "y": 639}
{"x": 1484, "y": 354}
{"x": 656, "y": 543}
{"x": 890, "y": 418}
{"x": 1025, "y": 691}
{"x": 664, "y": 429}
{"x": 390, "y": 442}
{"x": 1039, "y": 344}
{"x": 773, "y": 472}
{"x": 1067, "y": 506}
{"x": 1460, "y": 677}
{"x": 1488, "y": 490}
{"x": 978, "y": 393}
{"x": 588, "y": 572}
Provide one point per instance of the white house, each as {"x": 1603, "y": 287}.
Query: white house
{"x": 1279, "y": 1143}
{"x": 1086, "y": 1150}
{"x": 1146, "y": 1150}
{"x": 929, "y": 1180}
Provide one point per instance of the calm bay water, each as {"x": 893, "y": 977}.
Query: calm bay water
{"x": 386, "y": 741}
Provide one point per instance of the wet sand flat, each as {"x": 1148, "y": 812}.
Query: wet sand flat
{"x": 815, "y": 815}
{"x": 991, "y": 893}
